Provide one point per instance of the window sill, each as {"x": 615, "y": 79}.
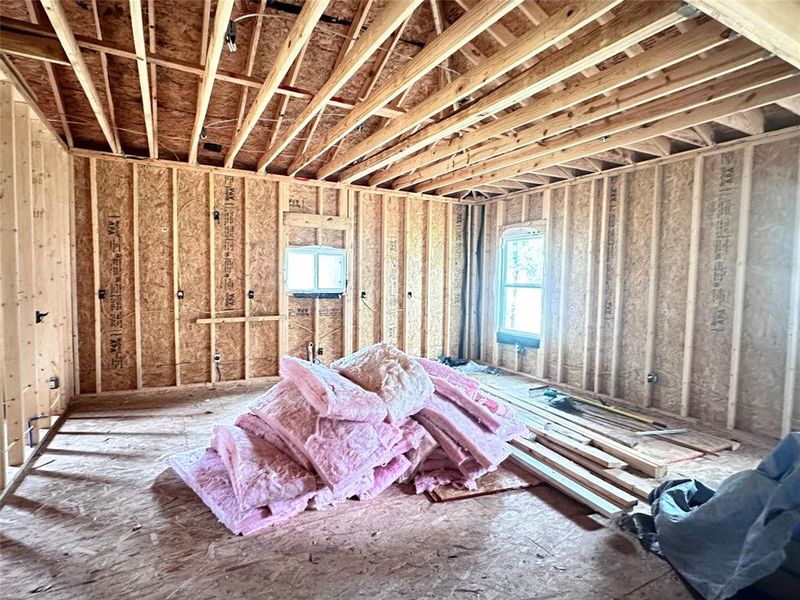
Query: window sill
{"x": 521, "y": 339}
{"x": 321, "y": 295}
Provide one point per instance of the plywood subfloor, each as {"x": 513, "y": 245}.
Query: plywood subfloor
{"x": 101, "y": 515}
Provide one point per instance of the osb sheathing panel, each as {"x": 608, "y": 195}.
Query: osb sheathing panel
{"x": 262, "y": 233}
{"x": 330, "y": 311}
{"x": 302, "y": 199}
{"x": 575, "y": 286}
{"x": 716, "y": 275}
{"x": 457, "y": 248}
{"x": 117, "y": 323}
{"x": 392, "y": 294}
{"x": 193, "y": 275}
{"x": 768, "y": 276}
{"x": 512, "y": 213}
{"x": 415, "y": 230}
{"x": 155, "y": 276}
{"x": 229, "y": 274}
{"x": 370, "y": 293}
{"x": 638, "y": 218}
{"x": 84, "y": 275}
{"x": 676, "y": 211}
{"x": 436, "y": 283}
{"x": 554, "y": 279}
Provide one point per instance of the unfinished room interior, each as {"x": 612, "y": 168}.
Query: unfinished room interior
{"x": 399, "y": 299}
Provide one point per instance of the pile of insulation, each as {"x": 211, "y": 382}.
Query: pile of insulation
{"x": 323, "y": 435}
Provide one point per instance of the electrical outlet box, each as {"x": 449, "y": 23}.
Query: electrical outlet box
{"x": 53, "y": 383}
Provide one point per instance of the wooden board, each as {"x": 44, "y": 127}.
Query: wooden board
{"x": 506, "y": 477}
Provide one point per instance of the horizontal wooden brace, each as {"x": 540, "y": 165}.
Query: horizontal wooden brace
{"x": 253, "y": 319}
{"x": 295, "y": 219}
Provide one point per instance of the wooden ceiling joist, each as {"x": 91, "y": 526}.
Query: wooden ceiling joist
{"x": 635, "y": 24}
{"x": 790, "y": 104}
{"x": 734, "y": 55}
{"x": 771, "y": 24}
{"x": 251, "y": 61}
{"x": 58, "y": 19}
{"x": 758, "y": 97}
{"x": 221, "y": 19}
{"x": 299, "y": 34}
{"x": 137, "y": 27}
{"x": 464, "y": 29}
{"x": 385, "y": 23}
{"x": 747, "y": 79}
{"x": 566, "y": 21}
{"x": 750, "y": 122}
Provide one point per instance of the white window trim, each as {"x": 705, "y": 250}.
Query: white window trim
{"x": 316, "y": 251}
{"x": 511, "y": 232}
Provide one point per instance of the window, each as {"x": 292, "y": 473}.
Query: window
{"x": 521, "y": 279}
{"x": 316, "y": 270}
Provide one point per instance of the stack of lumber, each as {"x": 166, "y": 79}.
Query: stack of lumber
{"x": 595, "y": 453}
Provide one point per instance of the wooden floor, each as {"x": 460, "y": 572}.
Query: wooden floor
{"x": 101, "y": 515}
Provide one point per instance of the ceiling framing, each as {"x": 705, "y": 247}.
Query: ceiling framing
{"x": 463, "y": 98}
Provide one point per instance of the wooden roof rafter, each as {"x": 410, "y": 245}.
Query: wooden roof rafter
{"x": 635, "y": 24}
{"x": 464, "y": 29}
{"x": 58, "y": 19}
{"x": 385, "y": 23}
{"x": 221, "y": 19}
{"x": 760, "y": 96}
{"x": 251, "y": 60}
{"x": 295, "y": 41}
{"x": 137, "y": 27}
{"x": 569, "y": 19}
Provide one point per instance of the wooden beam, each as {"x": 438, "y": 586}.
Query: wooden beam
{"x": 226, "y": 320}
{"x": 283, "y": 103}
{"x": 106, "y": 82}
{"x": 316, "y": 221}
{"x": 389, "y": 18}
{"x": 58, "y": 19}
{"x": 221, "y": 18}
{"x": 742, "y": 240}
{"x": 760, "y": 96}
{"x": 151, "y": 44}
{"x": 137, "y": 283}
{"x": 619, "y": 281}
{"x": 98, "y": 313}
{"x": 24, "y": 45}
{"x": 566, "y": 228}
{"x": 589, "y": 282}
{"x": 137, "y": 28}
{"x": 601, "y": 283}
{"x": 567, "y": 20}
{"x": 790, "y": 104}
{"x": 463, "y": 30}
{"x": 293, "y": 44}
{"x": 772, "y": 25}
{"x": 793, "y": 326}
{"x": 732, "y": 56}
{"x": 283, "y": 300}
{"x": 251, "y": 59}
{"x": 176, "y": 283}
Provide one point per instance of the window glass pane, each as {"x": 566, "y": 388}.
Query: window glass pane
{"x": 331, "y": 271}
{"x": 525, "y": 260}
{"x": 522, "y": 310}
{"x": 300, "y": 271}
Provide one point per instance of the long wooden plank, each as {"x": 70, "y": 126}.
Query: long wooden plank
{"x": 137, "y": 284}
{"x": 619, "y": 277}
{"x": 567, "y": 20}
{"x": 565, "y": 484}
{"x": 576, "y": 473}
{"x": 283, "y": 300}
{"x": 466, "y": 28}
{"x": 292, "y": 45}
{"x": 652, "y": 281}
{"x": 389, "y": 18}
{"x": 316, "y": 221}
{"x": 563, "y": 280}
{"x": 58, "y": 19}
{"x": 176, "y": 311}
{"x": 589, "y": 282}
{"x": 221, "y": 18}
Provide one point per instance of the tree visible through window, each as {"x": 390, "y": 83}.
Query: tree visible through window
{"x": 522, "y": 261}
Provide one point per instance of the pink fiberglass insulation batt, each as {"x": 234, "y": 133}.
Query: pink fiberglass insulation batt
{"x": 488, "y": 449}
{"x": 258, "y": 426}
{"x": 327, "y": 497}
{"x": 396, "y": 377}
{"x": 339, "y": 450}
{"x": 511, "y": 426}
{"x": 259, "y": 472}
{"x": 386, "y": 476}
{"x": 469, "y": 386}
{"x": 331, "y": 394}
{"x": 203, "y": 470}
{"x": 479, "y": 412}
{"x": 418, "y": 455}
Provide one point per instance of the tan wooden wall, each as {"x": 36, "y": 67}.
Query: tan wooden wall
{"x": 688, "y": 268}
{"x": 146, "y": 230}
{"x": 35, "y": 275}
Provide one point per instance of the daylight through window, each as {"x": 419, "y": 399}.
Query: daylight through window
{"x": 316, "y": 270}
{"x": 522, "y": 260}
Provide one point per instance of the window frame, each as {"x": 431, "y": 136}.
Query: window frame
{"x": 518, "y": 231}
{"x": 316, "y": 251}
